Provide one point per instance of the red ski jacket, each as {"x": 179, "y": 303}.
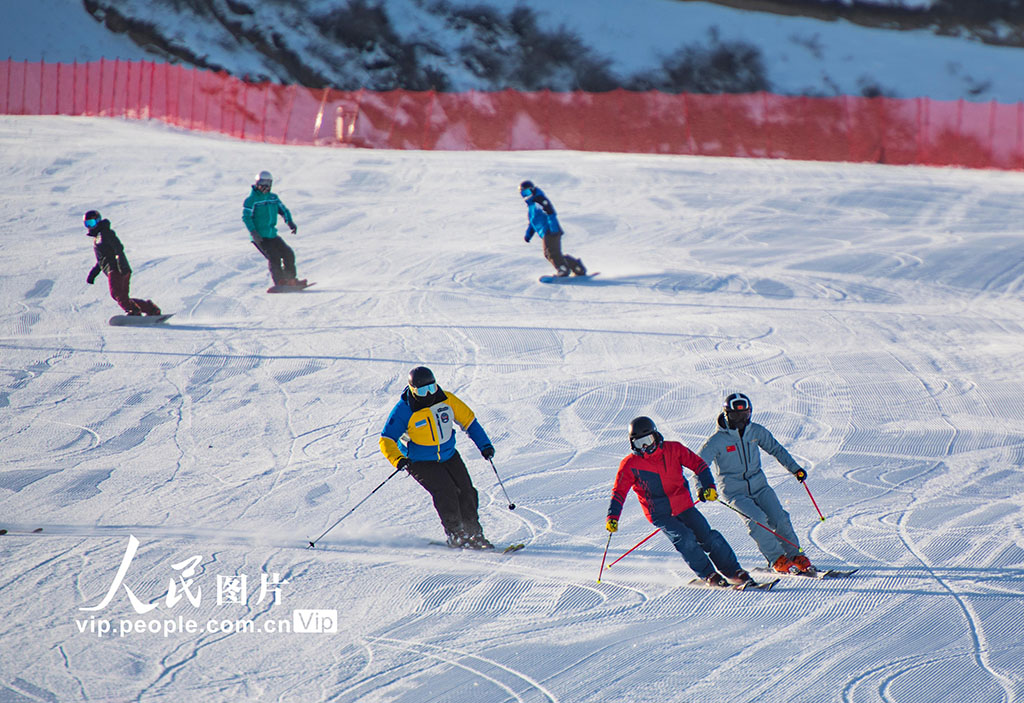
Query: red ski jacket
{"x": 658, "y": 481}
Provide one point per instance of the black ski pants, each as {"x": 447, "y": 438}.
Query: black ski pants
{"x": 455, "y": 498}
{"x": 553, "y": 253}
{"x": 280, "y": 258}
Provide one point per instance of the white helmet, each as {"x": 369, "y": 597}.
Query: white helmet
{"x": 264, "y": 176}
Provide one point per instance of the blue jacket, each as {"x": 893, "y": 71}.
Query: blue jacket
{"x": 430, "y": 428}
{"x": 542, "y": 216}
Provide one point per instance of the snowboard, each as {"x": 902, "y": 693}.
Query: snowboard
{"x": 288, "y": 289}
{"x": 138, "y": 320}
{"x": 567, "y": 279}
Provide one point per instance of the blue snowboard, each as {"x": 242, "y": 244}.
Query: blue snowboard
{"x": 567, "y": 279}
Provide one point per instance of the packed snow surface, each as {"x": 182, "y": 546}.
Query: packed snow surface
{"x": 872, "y": 313}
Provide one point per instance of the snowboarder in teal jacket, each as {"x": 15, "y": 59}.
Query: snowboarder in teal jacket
{"x": 259, "y": 213}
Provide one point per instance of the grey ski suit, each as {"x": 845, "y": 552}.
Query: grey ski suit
{"x": 736, "y": 460}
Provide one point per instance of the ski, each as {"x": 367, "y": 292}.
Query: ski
{"x": 819, "y": 574}
{"x": 26, "y": 532}
{"x": 748, "y": 586}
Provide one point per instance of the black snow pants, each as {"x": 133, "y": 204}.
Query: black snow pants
{"x": 455, "y": 498}
{"x": 280, "y": 258}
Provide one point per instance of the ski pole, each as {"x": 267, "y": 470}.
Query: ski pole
{"x": 312, "y": 542}
{"x": 747, "y": 517}
{"x": 606, "y": 545}
{"x": 511, "y": 505}
{"x": 814, "y": 502}
{"x": 634, "y": 547}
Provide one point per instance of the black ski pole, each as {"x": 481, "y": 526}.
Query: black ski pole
{"x": 511, "y": 505}
{"x": 312, "y": 542}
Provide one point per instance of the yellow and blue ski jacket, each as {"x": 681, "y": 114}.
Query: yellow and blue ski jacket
{"x": 429, "y": 431}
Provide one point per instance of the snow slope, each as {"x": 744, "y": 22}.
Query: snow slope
{"x": 872, "y": 313}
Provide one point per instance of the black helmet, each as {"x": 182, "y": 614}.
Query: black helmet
{"x": 737, "y": 408}
{"x": 421, "y": 381}
{"x": 91, "y": 219}
{"x": 640, "y": 430}
{"x": 526, "y": 184}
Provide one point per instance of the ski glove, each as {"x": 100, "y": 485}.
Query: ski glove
{"x": 529, "y": 235}
{"x": 708, "y": 493}
{"x": 402, "y": 463}
{"x": 293, "y": 227}
{"x": 91, "y": 278}
{"x": 612, "y": 525}
{"x": 487, "y": 452}
{"x": 800, "y": 475}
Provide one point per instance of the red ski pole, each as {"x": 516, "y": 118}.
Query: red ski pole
{"x": 747, "y": 517}
{"x": 814, "y": 502}
{"x": 606, "y": 545}
{"x": 634, "y": 547}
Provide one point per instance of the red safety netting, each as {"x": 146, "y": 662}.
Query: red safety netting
{"x": 761, "y": 125}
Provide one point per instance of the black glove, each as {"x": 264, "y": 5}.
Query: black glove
{"x": 91, "y": 278}
{"x": 800, "y": 475}
{"x": 293, "y": 227}
{"x": 402, "y": 463}
{"x": 487, "y": 452}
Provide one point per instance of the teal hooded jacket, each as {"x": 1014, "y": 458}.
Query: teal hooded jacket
{"x": 260, "y": 211}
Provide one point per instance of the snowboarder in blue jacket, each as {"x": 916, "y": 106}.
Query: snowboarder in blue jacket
{"x": 543, "y": 221}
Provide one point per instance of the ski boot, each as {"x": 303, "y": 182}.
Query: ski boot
{"x": 740, "y": 578}
{"x": 804, "y": 565}
{"x": 578, "y": 269}
{"x": 478, "y": 541}
{"x": 716, "y": 579}
{"x": 457, "y": 539}
{"x": 783, "y": 564}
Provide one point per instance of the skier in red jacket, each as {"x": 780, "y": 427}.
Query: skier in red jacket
{"x": 654, "y": 470}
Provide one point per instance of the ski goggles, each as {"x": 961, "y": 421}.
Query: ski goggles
{"x": 737, "y": 404}
{"x": 424, "y": 391}
{"x": 738, "y": 416}
{"x": 90, "y": 223}
{"x": 643, "y": 444}
{"x": 526, "y": 192}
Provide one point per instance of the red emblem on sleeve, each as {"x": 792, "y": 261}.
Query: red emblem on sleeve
{"x": 731, "y": 448}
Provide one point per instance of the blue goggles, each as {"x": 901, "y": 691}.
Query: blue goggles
{"x": 423, "y": 391}
{"x": 91, "y": 223}
{"x": 526, "y": 192}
